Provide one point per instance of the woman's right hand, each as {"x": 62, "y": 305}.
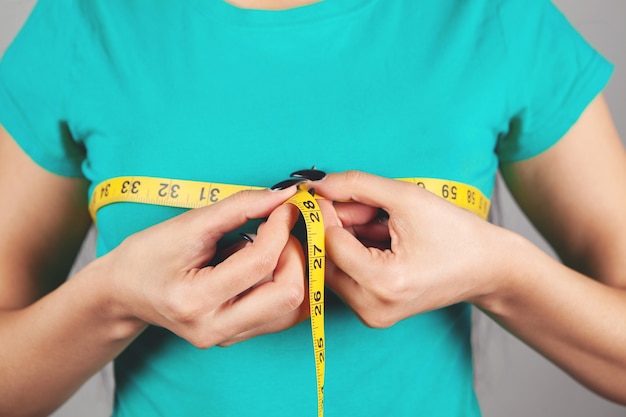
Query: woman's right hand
{"x": 161, "y": 275}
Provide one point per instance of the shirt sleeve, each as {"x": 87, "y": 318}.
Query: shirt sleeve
{"x": 555, "y": 74}
{"x": 35, "y": 81}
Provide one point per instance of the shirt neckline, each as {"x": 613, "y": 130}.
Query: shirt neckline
{"x": 224, "y": 12}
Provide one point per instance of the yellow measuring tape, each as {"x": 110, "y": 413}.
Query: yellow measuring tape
{"x": 195, "y": 194}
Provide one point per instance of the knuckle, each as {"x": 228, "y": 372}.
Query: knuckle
{"x": 182, "y": 313}
{"x": 241, "y": 201}
{"x": 181, "y": 309}
{"x": 293, "y": 295}
{"x": 203, "y": 336}
{"x": 353, "y": 176}
{"x": 241, "y": 197}
{"x": 201, "y": 341}
{"x": 379, "y": 319}
{"x": 397, "y": 288}
{"x": 265, "y": 263}
{"x": 392, "y": 289}
{"x": 130, "y": 247}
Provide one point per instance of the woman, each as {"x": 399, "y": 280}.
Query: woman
{"x": 399, "y": 89}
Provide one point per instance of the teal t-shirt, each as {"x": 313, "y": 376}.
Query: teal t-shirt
{"x": 203, "y": 90}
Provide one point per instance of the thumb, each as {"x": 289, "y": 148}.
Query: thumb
{"x": 234, "y": 211}
{"x": 349, "y": 255}
{"x": 370, "y": 190}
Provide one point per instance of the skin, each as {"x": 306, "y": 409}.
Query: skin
{"x": 109, "y": 303}
{"x": 384, "y": 271}
{"x": 572, "y": 313}
{"x": 271, "y": 4}
{"x": 437, "y": 255}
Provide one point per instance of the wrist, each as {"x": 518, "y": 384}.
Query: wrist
{"x": 509, "y": 273}
{"x": 107, "y": 301}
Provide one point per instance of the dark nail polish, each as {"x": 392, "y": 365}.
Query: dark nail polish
{"x": 309, "y": 174}
{"x": 286, "y": 184}
{"x": 246, "y": 237}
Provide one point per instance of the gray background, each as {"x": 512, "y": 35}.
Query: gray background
{"x": 511, "y": 379}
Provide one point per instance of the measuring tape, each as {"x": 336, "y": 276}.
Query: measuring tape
{"x": 195, "y": 194}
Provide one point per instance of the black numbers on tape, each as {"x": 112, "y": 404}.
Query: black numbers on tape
{"x": 317, "y": 263}
{"x": 448, "y": 192}
{"x": 483, "y": 204}
{"x": 471, "y": 197}
{"x": 212, "y": 195}
{"x": 132, "y": 187}
{"x": 314, "y": 216}
{"x": 167, "y": 190}
{"x": 104, "y": 190}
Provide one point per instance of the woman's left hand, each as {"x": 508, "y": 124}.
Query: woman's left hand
{"x": 428, "y": 254}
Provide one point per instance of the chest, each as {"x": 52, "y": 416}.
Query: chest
{"x": 212, "y": 103}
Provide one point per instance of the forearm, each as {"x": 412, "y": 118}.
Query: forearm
{"x": 54, "y": 345}
{"x": 571, "y": 319}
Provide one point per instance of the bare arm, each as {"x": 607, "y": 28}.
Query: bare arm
{"x": 575, "y": 193}
{"x": 435, "y": 254}
{"x": 56, "y": 334}
{"x": 48, "y": 343}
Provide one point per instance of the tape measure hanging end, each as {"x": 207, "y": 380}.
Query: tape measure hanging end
{"x": 316, "y": 252}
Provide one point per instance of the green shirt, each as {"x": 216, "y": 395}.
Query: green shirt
{"x": 202, "y": 90}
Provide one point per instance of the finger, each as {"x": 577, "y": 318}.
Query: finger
{"x": 224, "y": 253}
{"x": 255, "y": 261}
{"x": 346, "y": 288}
{"x": 351, "y": 214}
{"x": 272, "y": 306}
{"x": 368, "y": 189}
{"x": 234, "y": 211}
{"x": 358, "y": 218}
{"x": 343, "y": 248}
{"x": 351, "y": 256}
{"x": 365, "y": 222}
{"x": 285, "y": 322}
{"x": 377, "y": 231}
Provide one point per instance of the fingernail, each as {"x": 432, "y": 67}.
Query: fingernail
{"x": 309, "y": 174}
{"x": 246, "y": 237}
{"x": 286, "y": 184}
